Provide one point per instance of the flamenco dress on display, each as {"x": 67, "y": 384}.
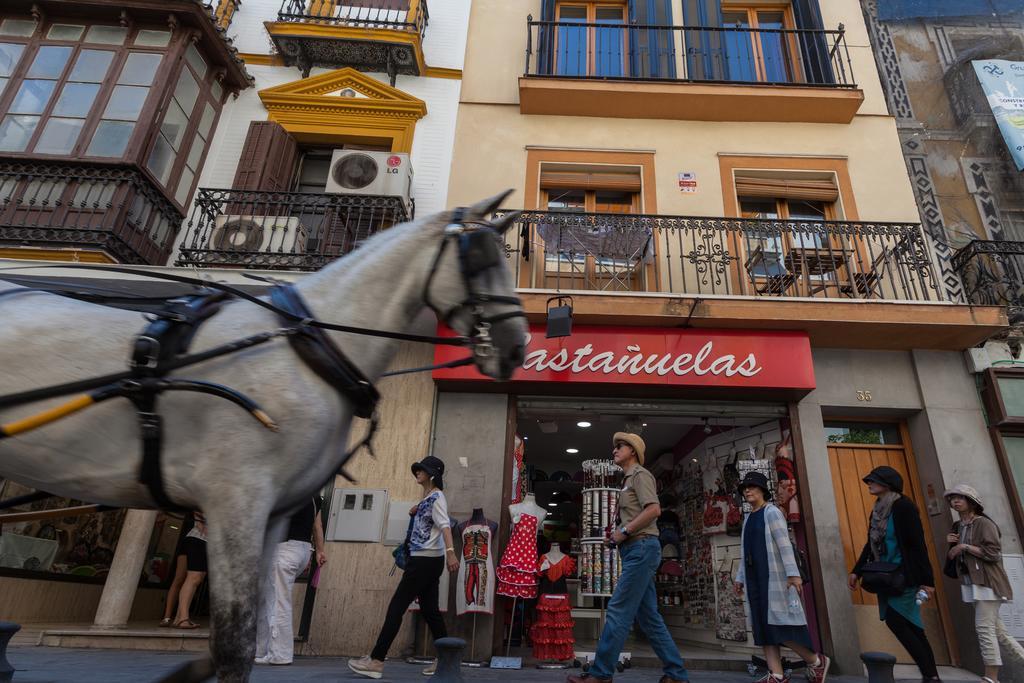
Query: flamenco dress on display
{"x": 517, "y": 572}
{"x": 551, "y": 634}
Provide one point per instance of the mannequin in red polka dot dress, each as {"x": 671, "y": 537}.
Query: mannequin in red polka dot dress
{"x": 517, "y": 573}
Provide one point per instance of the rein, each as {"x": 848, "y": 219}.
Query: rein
{"x": 162, "y": 347}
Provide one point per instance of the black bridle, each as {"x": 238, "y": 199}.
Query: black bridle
{"x": 479, "y": 252}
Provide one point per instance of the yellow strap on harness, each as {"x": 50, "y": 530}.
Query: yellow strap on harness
{"x": 47, "y": 416}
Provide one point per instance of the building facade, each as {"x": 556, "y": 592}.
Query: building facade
{"x": 719, "y": 191}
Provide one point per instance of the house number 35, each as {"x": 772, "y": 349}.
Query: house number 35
{"x": 864, "y": 395}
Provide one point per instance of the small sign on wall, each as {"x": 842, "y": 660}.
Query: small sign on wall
{"x": 1012, "y": 613}
{"x": 688, "y": 182}
{"x": 357, "y": 515}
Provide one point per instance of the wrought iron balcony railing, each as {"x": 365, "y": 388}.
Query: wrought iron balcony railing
{"x": 74, "y": 205}
{"x": 282, "y": 230}
{"x": 395, "y": 15}
{"x": 992, "y": 273}
{"x": 688, "y": 53}
{"x": 723, "y": 256}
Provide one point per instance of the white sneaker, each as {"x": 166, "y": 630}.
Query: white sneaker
{"x": 365, "y": 666}
{"x": 429, "y": 671}
{"x": 265, "y": 659}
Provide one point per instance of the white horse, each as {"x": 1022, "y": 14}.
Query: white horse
{"x": 215, "y": 458}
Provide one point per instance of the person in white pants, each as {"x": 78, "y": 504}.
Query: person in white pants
{"x": 275, "y": 641}
{"x": 975, "y": 559}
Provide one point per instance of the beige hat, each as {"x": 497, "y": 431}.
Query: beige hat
{"x": 967, "y": 492}
{"x": 633, "y": 440}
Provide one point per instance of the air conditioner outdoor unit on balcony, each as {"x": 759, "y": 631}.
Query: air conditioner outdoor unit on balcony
{"x": 371, "y": 173}
{"x": 264, "y": 234}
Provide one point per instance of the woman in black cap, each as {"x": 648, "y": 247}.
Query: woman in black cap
{"x": 896, "y": 538}
{"x": 430, "y": 549}
{"x": 769, "y": 571}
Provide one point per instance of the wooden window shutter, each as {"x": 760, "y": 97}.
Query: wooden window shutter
{"x": 577, "y": 180}
{"x": 783, "y": 188}
{"x": 268, "y": 159}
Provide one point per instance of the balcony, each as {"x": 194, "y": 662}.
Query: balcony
{"x": 688, "y": 73}
{"x": 993, "y": 275}
{"x": 677, "y": 255}
{"x": 113, "y": 210}
{"x": 282, "y": 230}
{"x": 383, "y": 36}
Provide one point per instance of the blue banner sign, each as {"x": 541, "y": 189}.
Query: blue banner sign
{"x": 1003, "y": 83}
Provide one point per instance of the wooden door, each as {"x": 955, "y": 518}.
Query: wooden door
{"x": 849, "y": 463}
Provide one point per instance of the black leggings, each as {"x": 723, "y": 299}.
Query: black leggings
{"x": 914, "y": 641}
{"x": 420, "y": 580}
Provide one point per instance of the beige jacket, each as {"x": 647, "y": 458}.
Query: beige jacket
{"x": 986, "y": 570}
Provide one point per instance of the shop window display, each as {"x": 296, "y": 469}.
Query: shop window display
{"x": 698, "y": 463}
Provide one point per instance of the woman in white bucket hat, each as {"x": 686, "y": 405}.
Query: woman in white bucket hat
{"x": 975, "y": 560}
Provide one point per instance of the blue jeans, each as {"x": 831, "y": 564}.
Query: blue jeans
{"x": 635, "y": 599}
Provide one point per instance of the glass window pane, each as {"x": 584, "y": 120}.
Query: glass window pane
{"x": 76, "y": 99}
{"x": 1015, "y": 455}
{"x": 184, "y": 186}
{"x": 125, "y": 103}
{"x": 10, "y": 53}
{"x": 3, "y": 84}
{"x": 572, "y": 201}
{"x": 91, "y": 66}
{"x": 195, "y": 152}
{"x": 110, "y": 139}
{"x": 1012, "y": 391}
{"x": 186, "y": 91}
{"x": 207, "y": 120}
{"x": 32, "y": 97}
{"x": 49, "y": 61}
{"x": 862, "y": 432}
{"x": 161, "y": 159}
{"x": 65, "y": 32}
{"x": 15, "y": 132}
{"x": 94, "y": 194}
{"x": 59, "y": 136}
{"x": 107, "y": 35}
{"x": 196, "y": 61}
{"x": 151, "y": 38}
{"x": 17, "y": 27}
{"x": 139, "y": 68}
{"x": 174, "y": 125}
{"x": 217, "y": 91}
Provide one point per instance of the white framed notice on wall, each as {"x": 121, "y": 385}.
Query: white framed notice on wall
{"x": 1012, "y": 613}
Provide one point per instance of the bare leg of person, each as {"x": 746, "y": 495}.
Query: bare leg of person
{"x": 180, "y": 570}
{"x": 188, "y": 591}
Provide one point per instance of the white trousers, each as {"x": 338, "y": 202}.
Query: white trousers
{"x": 274, "y": 636}
{"x": 986, "y": 617}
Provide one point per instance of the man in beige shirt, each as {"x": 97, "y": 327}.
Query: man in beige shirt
{"x": 634, "y": 599}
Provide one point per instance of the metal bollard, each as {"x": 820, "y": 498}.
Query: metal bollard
{"x": 879, "y": 666}
{"x": 7, "y": 631}
{"x": 449, "y": 660}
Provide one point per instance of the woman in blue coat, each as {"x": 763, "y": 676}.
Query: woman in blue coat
{"x": 769, "y": 572}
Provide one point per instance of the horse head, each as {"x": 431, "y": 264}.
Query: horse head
{"x": 472, "y": 291}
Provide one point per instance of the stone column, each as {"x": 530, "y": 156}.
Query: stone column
{"x": 123, "y": 578}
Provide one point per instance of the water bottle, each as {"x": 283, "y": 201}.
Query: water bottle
{"x": 921, "y": 597}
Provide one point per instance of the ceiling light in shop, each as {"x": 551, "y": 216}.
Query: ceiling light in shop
{"x": 552, "y": 505}
{"x": 645, "y": 424}
{"x": 583, "y": 424}
{"x": 695, "y": 459}
{"x": 572, "y": 450}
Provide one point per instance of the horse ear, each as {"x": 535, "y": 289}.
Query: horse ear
{"x": 488, "y": 206}
{"x": 506, "y": 221}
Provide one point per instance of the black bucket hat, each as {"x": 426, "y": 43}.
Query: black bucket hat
{"x": 755, "y": 479}
{"x": 886, "y": 476}
{"x": 434, "y": 467}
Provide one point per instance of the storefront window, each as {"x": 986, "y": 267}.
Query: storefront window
{"x": 159, "y": 567}
{"x": 862, "y": 432}
{"x": 80, "y": 545}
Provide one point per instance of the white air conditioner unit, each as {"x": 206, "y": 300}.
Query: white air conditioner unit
{"x": 385, "y": 174}
{"x": 265, "y": 234}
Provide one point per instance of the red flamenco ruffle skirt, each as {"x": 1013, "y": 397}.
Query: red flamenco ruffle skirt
{"x": 552, "y": 632}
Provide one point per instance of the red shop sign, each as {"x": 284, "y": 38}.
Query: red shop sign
{"x": 654, "y": 355}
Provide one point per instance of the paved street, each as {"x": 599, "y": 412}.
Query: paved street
{"x": 59, "y": 665}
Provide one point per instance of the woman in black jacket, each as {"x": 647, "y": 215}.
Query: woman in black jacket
{"x": 896, "y": 536}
